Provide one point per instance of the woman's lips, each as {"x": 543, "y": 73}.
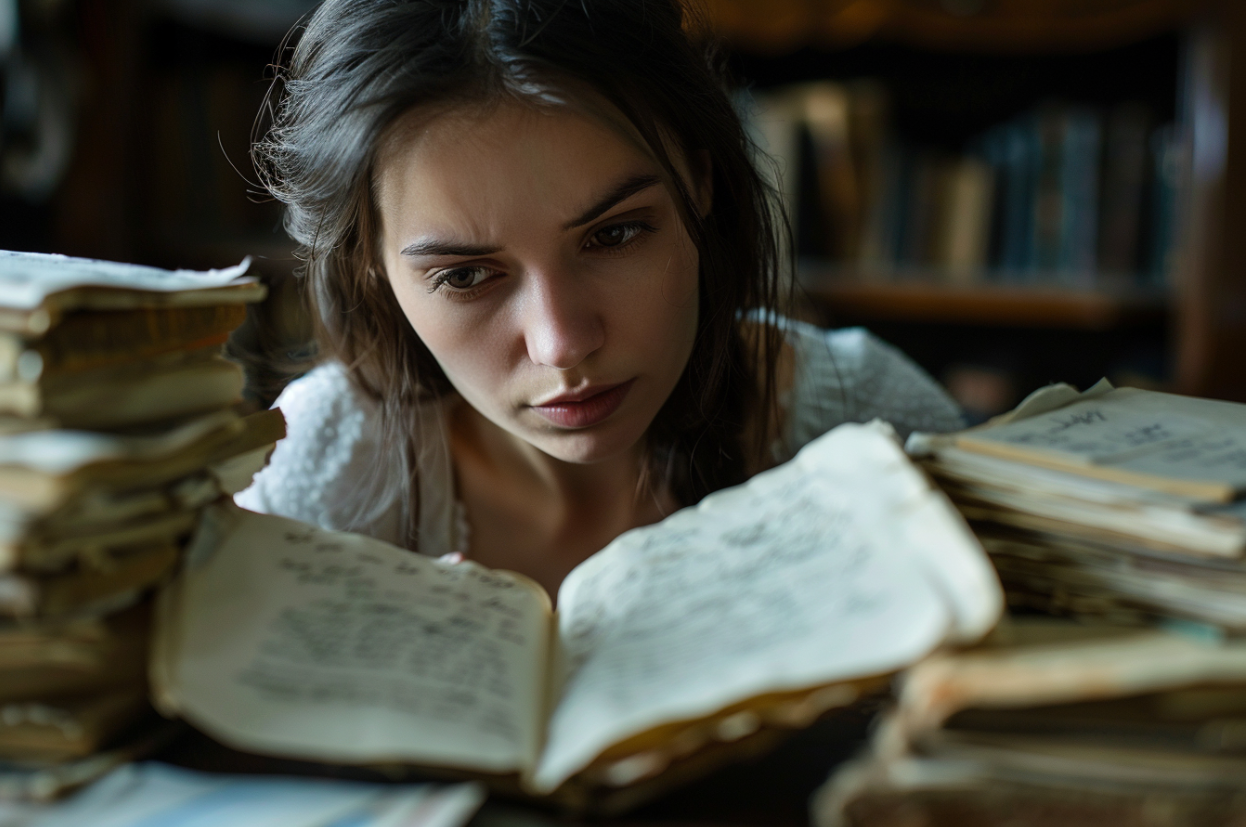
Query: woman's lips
{"x": 586, "y": 412}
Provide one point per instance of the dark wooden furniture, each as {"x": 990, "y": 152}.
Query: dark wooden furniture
{"x": 1201, "y": 322}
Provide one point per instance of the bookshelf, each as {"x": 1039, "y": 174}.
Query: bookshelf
{"x": 161, "y": 172}
{"x": 920, "y": 297}
{"x": 777, "y": 26}
{"x": 955, "y": 68}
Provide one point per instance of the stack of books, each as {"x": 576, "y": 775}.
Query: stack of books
{"x": 118, "y": 424}
{"x": 1116, "y": 691}
{"x": 1057, "y": 723}
{"x": 1117, "y": 504}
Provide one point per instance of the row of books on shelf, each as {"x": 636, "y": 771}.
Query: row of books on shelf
{"x": 195, "y": 185}
{"x": 1062, "y": 194}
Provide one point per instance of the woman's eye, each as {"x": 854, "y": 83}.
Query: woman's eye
{"x": 461, "y": 278}
{"x": 618, "y": 235}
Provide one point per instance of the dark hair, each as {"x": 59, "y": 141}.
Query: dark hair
{"x": 361, "y": 64}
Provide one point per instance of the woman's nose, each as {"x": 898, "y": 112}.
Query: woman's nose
{"x": 562, "y": 324}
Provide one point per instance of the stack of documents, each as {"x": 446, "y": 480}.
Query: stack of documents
{"x": 1116, "y": 504}
{"x": 117, "y": 426}
{"x": 1120, "y": 510}
{"x": 1056, "y": 723}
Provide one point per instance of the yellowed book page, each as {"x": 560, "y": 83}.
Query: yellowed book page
{"x": 841, "y": 564}
{"x": 287, "y": 639}
{"x": 1172, "y": 443}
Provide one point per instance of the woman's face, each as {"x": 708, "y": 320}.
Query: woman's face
{"x": 543, "y": 262}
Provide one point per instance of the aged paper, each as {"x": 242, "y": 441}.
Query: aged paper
{"x": 288, "y": 639}
{"x": 822, "y": 570}
{"x": 26, "y": 279}
{"x": 1137, "y": 436}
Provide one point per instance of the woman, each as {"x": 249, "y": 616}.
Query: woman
{"x": 547, "y": 280}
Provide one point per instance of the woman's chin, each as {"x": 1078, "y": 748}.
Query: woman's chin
{"x": 589, "y": 445}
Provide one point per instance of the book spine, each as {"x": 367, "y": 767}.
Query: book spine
{"x": 825, "y": 109}
{"x": 1125, "y": 176}
{"x": 920, "y": 210}
{"x": 1020, "y": 152}
{"x": 991, "y": 148}
{"x": 774, "y": 125}
{"x": 1166, "y": 155}
{"x": 967, "y": 221}
{"x": 1080, "y": 196}
{"x": 1049, "y": 203}
{"x": 875, "y": 155}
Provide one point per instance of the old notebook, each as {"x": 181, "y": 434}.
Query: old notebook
{"x": 1179, "y": 445}
{"x": 1107, "y": 504}
{"x": 42, "y": 471}
{"x": 77, "y": 655}
{"x": 1056, "y": 723}
{"x": 37, "y": 289}
{"x": 153, "y": 390}
{"x": 760, "y": 608}
{"x": 85, "y": 341}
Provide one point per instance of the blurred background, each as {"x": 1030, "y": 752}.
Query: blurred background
{"x": 1012, "y": 191}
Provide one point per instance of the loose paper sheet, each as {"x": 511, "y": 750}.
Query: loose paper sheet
{"x": 156, "y": 795}
{"x": 340, "y": 647}
{"x": 27, "y": 279}
{"x": 841, "y": 564}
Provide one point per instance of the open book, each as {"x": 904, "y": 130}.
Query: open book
{"x": 762, "y": 607}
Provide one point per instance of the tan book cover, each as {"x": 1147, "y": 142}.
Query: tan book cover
{"x": 67, "y": 728}
{"x": 1056, "y": 722}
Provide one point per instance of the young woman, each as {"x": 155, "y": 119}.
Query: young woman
{"x": 547, "y": 279}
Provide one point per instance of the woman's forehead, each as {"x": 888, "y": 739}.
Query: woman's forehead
{"x": 486, "y": 163}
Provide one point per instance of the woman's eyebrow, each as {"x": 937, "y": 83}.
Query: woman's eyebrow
{"x": 437, "y": 247}
{"x": 624, "y": 189}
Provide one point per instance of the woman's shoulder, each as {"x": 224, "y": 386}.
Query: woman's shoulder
{"x": 330, "y": 454}
{"x": 326, "y": 417}
{"x": 850, "y": 375}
